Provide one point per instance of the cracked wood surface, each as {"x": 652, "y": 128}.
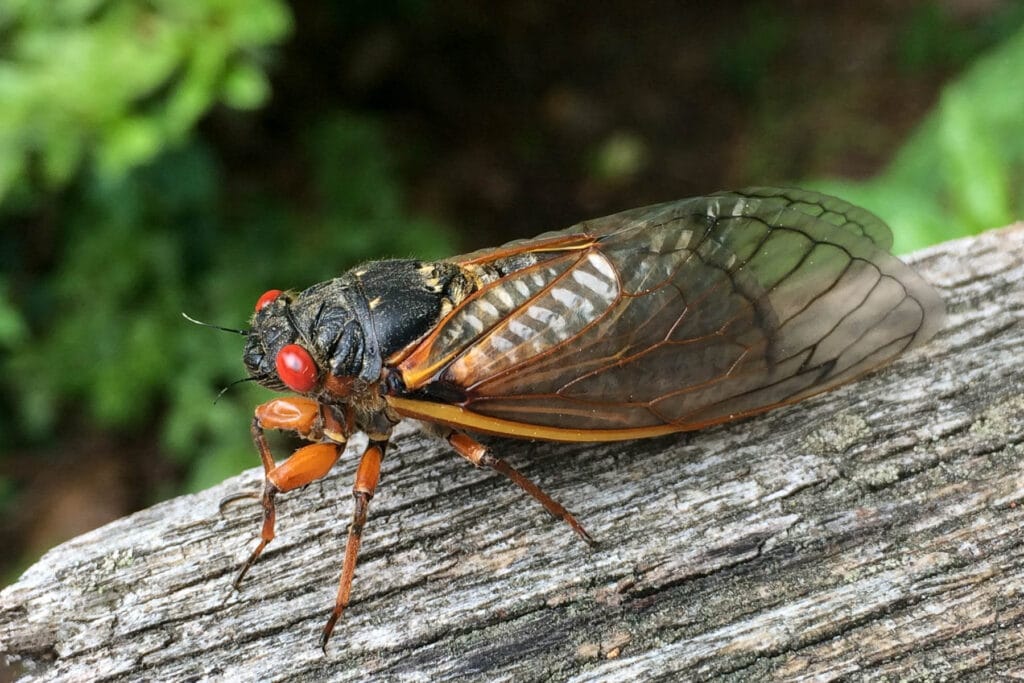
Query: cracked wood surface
{"x": 874, "y": 531}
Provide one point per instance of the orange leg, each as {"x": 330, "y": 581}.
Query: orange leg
{"x": 367, "y": 477}
{"x": 306, "y": 465}
{"x": 477, "y": 453}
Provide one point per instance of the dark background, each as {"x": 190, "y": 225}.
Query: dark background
{"x": 166, "y": 157}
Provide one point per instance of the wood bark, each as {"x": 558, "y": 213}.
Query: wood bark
{"x": 872, "y": 532}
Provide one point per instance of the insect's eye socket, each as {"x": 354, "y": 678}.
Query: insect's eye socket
{"x": 266, "y": 298}
{"x": 296, "y": 368}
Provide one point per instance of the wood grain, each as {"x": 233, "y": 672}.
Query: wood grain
{"x": 873, "y": 532}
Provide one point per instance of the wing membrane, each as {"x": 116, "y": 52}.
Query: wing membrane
{"x": 674, "y": 317}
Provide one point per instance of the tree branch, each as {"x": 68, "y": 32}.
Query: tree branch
{"x": 875, "y": 529}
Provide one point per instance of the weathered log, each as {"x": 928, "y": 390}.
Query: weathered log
{"x": 872, "y": 531}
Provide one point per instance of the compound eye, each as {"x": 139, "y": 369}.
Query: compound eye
{"x": 266, "y": 298}
{"x": 296, "y": 368}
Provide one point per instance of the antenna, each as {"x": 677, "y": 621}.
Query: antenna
{"x": 244, "y": 333}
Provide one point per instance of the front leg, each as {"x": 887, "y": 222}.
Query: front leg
{"x": 312, "y": 422}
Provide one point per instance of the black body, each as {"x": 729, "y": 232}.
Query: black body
{"x": 352, "y": 323}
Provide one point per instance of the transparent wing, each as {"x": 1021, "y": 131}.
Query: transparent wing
{"x": 675, "y": 317}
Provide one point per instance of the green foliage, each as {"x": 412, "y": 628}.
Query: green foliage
{"x": 963, "y": 169}
{"x": 98, "y": 147}
{"x": 109, "y": 338}
{"x": 117, "y": 81}
{"x": 12, "y": 327}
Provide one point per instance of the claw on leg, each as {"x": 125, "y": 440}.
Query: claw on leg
{"x": 234, "y": 498}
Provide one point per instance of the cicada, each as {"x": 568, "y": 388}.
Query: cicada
{"x": 661, "y": 319}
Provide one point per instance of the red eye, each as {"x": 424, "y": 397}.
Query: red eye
{"x": 296, "y": 368}
{"x": 266, "y": 298}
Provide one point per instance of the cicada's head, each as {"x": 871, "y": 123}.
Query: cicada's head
{"x": 312, "y": 343}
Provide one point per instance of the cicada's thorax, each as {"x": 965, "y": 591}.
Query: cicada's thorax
{"x": 354, "y": 323}
{"x": 372, "y": 313}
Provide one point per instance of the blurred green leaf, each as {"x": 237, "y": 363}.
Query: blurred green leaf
{"x": 120, "y": 79}
{"x": 619, "y": 157}
{"x": 12, "y": 326}
{"x": 960, "y": 172}
{"x": 971, "y": 168}
{"x": 245, "y": 87}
